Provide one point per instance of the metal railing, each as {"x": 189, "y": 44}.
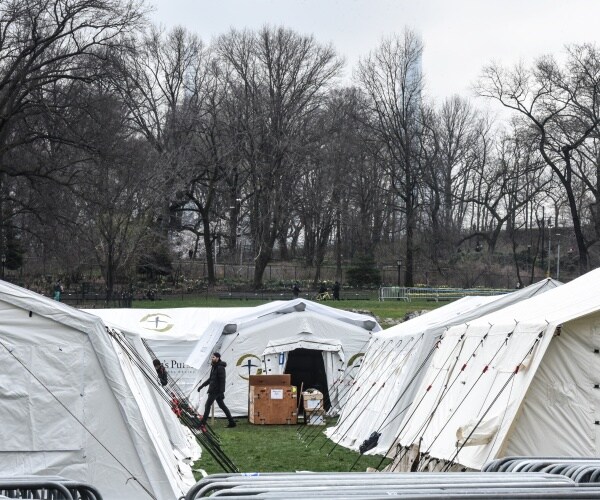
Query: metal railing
{"x": 434, "y": 294}
{"x": 369, "y": 485}
{"x": 393, "y": 293}
{"x": 46, "y": 487}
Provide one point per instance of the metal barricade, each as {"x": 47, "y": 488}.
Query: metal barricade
{"x": 46, "y": 487}
{"x": 379, "y": 485}
{"x": 393, "y": 293}
{"x": 433, "y": 294}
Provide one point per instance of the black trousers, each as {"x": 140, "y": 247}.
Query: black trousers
{"x": 219, "y": 399}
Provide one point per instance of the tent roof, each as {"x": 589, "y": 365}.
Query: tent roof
{"x": 183, "y": 323}
{"x": 261, "y": 315}
{"x": 466, "y": 309}
{"x": 48, "y": 308}
{"x": 569, "y": 301}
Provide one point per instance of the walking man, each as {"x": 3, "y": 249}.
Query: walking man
{"x": 216, "y": 389}
{"x": 161, "y": 371}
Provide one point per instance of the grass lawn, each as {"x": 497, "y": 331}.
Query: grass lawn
{"x": 386, "y": 309}
{"x": 282, "y": 448}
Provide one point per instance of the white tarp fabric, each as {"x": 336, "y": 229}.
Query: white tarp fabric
{"x": 520, "y": 381}
{"x": 243, "y": 340}
{"x": 396, "y": 362}
{"x": 75, "y": 407}
{"x": 171, "y": 333}
{"x": 130, "y": 346}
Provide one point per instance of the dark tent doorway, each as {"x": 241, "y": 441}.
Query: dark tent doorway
{"x": 307, "y": 370}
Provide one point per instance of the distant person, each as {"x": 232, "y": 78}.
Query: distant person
{"x": 322, "y": 288}
{"x": 161, "y": 371}
{"x": 58, "y": 290}
{"x": 216, "y": 389}
{"x": 296, "y": 290}
{"x": 336, "y": 290}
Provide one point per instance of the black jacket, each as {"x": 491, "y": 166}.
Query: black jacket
{"x": 216, "y": 379}
{"x": 161, "y": 371}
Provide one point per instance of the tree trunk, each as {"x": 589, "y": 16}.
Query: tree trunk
{"x": 208, "y": 245}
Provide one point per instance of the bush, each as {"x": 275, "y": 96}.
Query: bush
{"x": 363, "y": 272}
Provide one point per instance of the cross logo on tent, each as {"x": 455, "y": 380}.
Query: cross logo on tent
{"x": 157, "y": 321}
{"x": 246, "y": 367}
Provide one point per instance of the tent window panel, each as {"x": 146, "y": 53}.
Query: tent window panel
{"x": 33, "y": 415}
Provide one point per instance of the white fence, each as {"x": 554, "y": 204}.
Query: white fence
{"x": 435, "y": 294}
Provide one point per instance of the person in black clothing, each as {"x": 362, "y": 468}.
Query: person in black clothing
{"x": 296, "y": 290}
{"x": 161, "y": 371}
{"x": 336, "y": 291}
{"x": 216, "y": 389}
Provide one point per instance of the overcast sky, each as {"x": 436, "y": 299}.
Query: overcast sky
{"x": 460, "y": 36}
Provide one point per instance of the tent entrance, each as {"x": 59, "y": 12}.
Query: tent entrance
{"x": 312, "y": 362}
{"x": 307, "y": 370}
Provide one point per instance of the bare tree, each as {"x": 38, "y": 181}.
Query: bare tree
{"x": 172, "y": 87}
{"x": 280, "y": 79}
{"x": 561, "y": 106}
{"x": 44, "y": 46}
{"x": 207, "y": 166}
{"x": 391, "y": 77}
{"x": 450, "y": 147}
{"x": 118, "y": 197}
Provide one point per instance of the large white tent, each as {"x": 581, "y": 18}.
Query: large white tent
{"x": 267, "y": 339}
{"x": 171, "y": 333}
{"x": 396, "y": 362}
{"x": 524, "y": 380}
{"x": 75, "y": 405}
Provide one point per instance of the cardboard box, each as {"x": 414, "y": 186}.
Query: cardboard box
{"x": 316, "y": 417}
{"x": 284, "y": 379}
{"x": 272, "y": 404}
{"x": 312, "y": 400}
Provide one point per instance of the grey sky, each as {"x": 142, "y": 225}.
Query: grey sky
{"x": 460, "y": 36}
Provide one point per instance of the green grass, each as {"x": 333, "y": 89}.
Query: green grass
{"x": 282, "y": 448}
{"x": 386, "y": 309}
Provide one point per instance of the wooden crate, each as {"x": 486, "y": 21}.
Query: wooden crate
{"x": 273, "y": 404}
{"x": 283, "y": 379}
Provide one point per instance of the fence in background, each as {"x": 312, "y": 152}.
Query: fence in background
{"x": 434, "y": 294}
{"x": 190, "y": 276}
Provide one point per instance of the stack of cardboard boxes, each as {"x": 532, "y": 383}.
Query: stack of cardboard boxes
{"x": 273, "y": 400}
{"x": 314, "y": 412}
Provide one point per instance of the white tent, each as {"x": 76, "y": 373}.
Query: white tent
{"x": 74, "y": 404}
{"x": 524, "y": 380}
{"x": 395, "y": 364}
{"x": 271, "y": 336}
{"x": 171, "y": 333}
